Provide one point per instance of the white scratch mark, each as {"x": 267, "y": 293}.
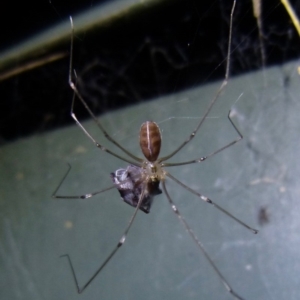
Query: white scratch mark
{"x": 237, "y": 244}
{"x": 187, "y": 280}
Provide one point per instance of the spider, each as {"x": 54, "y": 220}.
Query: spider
{"x": 140, "y": 181}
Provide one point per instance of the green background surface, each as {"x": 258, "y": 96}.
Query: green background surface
{"x": 159, "y": 260}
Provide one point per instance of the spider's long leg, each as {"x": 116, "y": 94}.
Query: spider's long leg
{"x": 199, "y": 244}
{"x": 203, "y": 158}
{"x": 120, "y": 243}
{"x": 95, "y": 142}
{"x": 107, "y": 136}
{"x": 207, "y": 200}
{"x": 210, "y": 106}
{"x": 85, "y": 196}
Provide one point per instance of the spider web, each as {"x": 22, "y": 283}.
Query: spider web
{"x": 141, "y": 58}
{"x": 159, "y": 261}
